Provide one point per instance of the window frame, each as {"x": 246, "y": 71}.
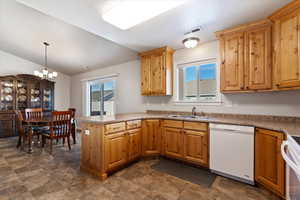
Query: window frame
{"x": 179, "y": 83}
{"x": 102, "y": 80}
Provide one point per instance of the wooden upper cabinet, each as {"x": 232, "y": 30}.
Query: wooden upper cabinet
{"x": 145, "y": 75}
{"x": 151, "y": 136}
{"x": 232, "y": 66}
{"x": 258, "y": 58}
{"x": 269, "y": 164}
{"x": 287, "y": 55}
{"x": 246, "y": 57}
{"x": 157, "y": 72}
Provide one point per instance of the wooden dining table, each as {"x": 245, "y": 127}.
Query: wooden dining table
{"x": 35, "y": 122}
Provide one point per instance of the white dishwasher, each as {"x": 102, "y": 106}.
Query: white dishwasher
{"x": 232, "y": 151}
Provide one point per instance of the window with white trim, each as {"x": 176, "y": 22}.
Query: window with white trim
{"x": 197, "y": 82}
{"x": 101, "y": 97}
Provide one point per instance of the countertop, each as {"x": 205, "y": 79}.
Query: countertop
{"x": 288, "y": 125}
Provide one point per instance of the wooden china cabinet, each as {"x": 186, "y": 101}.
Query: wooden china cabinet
{"x": 20, "y": 92}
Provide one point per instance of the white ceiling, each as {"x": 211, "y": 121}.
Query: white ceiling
{"x": 79, "y": 37}
{"x": 72, "y": 49}
{"x": 166, "y": 29}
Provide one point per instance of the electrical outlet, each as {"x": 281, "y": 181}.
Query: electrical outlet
{"x": 87, "y": 132}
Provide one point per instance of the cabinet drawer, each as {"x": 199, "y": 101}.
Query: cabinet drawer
{"x": 133, "y": 124}
{"x": 7, "y": 116}
{"x": 195, "y": 126}
{"x": 116, "y": 127}
{"x": 173, "y": 123}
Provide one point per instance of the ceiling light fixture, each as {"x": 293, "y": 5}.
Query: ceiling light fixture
{"x": 191, "y": 41}
{"x": 128, "y": 13}
{"x": 45, "y": 74}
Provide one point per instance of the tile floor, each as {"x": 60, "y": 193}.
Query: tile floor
{"x": 42, "y": 176}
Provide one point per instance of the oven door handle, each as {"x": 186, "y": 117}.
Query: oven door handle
{"x": 287, "y": 159}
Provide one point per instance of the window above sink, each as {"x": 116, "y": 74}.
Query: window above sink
{"x": 197, "y": 82}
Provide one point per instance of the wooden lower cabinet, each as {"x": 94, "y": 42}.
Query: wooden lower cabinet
{"x": 115, "y": 150}
{"x": 151, "y": 137}
{"x": 196, "y": 147}
{"x": 173, "y": 142}
{"x": 134, "y": 144}
{"x": 269, "y": 164}
{"x": 184, "y": 143}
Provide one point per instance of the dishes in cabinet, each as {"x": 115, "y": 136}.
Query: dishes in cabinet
{"x": 33, "y": 91}
{"x": 46, "y": 99}
{"x": 22, "y": 98}
{"x": 47, "y": 92}
{"x": 7, "y": 84}
{"x": 35, "y": 99}
{"x": 8, "y": 98}
{"x": 7, "y": 90}
{"x": 22, "y": 91}
{"x": 20, "y": 85}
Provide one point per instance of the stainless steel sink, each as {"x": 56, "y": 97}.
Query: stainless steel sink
{"x": 189, "y": 117}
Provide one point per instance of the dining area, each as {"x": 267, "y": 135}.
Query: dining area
{"x": 29, "y": 113}
{"x": 37, "y": 128}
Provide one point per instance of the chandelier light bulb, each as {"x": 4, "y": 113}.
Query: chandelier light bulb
{"x": 45, "y": 71}
{"x": 54, "y": 74}
{"x": 41, "y": 75}
{"x": 36, "y": 73}
{"x": 50, "y": 75}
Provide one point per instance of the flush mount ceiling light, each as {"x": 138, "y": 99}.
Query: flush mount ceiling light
{"x": 191, "y": 41}
{"x": 128, "y": 13}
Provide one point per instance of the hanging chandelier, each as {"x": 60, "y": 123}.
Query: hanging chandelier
{"x": 45, "y": 73}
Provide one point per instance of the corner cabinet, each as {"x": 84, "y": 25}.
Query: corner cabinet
{"x": 157, "y": 72}
{"x": 246, "y": 57}
{"x": 151, "y": 135}
{"x": 287, "y": 46}
{"x": 269, "y": 164}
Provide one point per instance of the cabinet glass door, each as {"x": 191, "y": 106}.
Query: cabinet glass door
{"x": 22, "y": 91}
{"x": 35, "y": 96}
{"x": 7, "y": 96}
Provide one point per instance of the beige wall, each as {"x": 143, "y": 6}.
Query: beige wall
{"x": 130, "y": 100}
{"x": 11, "y": 65}
{"x": 128, "y": 97}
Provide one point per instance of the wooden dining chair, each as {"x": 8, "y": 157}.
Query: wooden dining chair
{"x": 73, "y": 124}
{"x": 33, "y": 113}
{"x": 60, "y": 127}
{"x": 20, "y": 128}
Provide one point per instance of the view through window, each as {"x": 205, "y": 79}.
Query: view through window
{"x": 101, "y": 97}
{"x": 198, "y": 81}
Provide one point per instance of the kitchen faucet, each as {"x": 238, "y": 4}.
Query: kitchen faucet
{"x": 194, "y": 111}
